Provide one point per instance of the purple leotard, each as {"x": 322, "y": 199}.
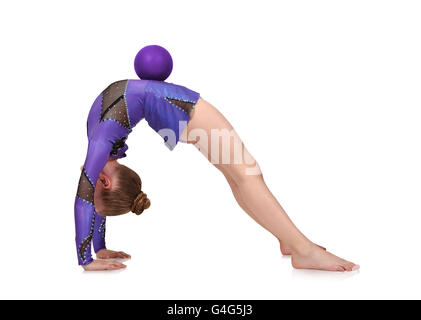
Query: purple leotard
{"x": 113, "y": 115}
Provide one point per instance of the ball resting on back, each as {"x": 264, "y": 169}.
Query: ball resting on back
{"x": 153, "y": 63}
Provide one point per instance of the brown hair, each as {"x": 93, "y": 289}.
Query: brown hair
{"x": 127, "y": 196}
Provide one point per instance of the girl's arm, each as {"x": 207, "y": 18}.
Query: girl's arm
{"x": 85, "y": 214}
{"x": 89, "y": 225}
{"x": 98, "y": 238}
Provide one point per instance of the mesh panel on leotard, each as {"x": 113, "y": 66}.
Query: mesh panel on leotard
{"x": 184, "y": 105}
{"x": 83, "y": 247}
{"x": 118, "y": 112}
{"x": 114, "y": 104}
{"x": 85, "y": 188}
{"x": 112, "y": 93}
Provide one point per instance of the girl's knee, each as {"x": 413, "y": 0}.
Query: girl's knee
{"x": 247, "y": 174}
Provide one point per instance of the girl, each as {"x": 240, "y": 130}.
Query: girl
{"x": 107, "y": 188}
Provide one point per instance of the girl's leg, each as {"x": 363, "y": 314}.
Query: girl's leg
{"x": 214, "y": 136}
{"x": 236, "y": 192}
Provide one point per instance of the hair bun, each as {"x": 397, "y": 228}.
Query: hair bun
{"x": 140, "y": 203}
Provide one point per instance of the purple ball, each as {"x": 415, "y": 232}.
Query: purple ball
{"x": 153, "y": 63}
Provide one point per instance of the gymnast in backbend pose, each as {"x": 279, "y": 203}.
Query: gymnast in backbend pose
{"x": 107, "y": 188}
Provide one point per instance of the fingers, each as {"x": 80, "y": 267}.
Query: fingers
{"x": 109, "y": 254}
{"x": 123, "y": 255}
{"x": 100, "y": 265}
{"x": 115, "y": 265}
{"x": 117, "y": 255}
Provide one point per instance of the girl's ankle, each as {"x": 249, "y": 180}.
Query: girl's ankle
{"x": 302, "y": 248}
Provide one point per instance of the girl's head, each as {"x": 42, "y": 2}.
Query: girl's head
{"x": 119, "y": 191}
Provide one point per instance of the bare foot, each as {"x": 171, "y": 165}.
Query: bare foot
{"x": 317, "y": 258}
{"x": 286, "y": 251}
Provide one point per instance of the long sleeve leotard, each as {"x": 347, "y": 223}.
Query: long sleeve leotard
{"x": 113, "y": 115}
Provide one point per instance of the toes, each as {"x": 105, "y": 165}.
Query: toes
{"x": 285, "y": 252}
{"x": 348, "y": 267}
{"x": 355, "y": 267}
{"x": 340, "y": 268}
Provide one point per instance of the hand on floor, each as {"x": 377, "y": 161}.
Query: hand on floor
{"x": 110, "y": 254}
{"x": 100, "y": 265}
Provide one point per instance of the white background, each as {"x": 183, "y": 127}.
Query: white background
{"x": 325, "y": 95}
